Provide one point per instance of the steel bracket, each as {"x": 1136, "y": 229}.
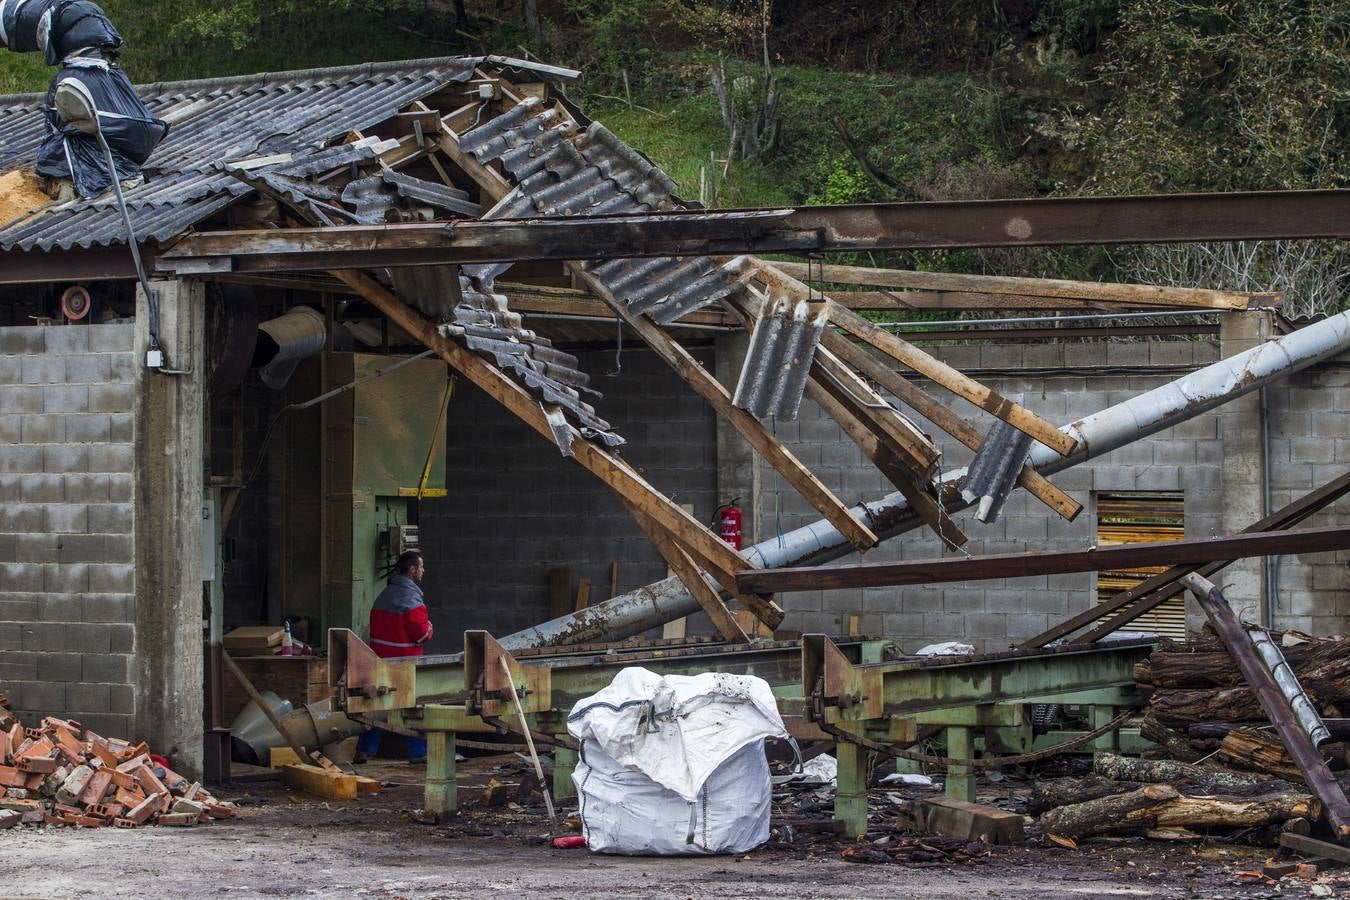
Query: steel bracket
{"x": 839, "y": 690}
{"x": 486, "y": 686}
{"x": 360, "y": 681}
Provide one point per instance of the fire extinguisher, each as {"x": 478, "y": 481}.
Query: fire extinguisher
{"x": 728, "y": 518}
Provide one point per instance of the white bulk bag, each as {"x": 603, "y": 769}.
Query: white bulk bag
{"x": 674, "y": 765}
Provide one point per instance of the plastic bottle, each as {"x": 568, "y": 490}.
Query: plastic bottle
{"x": 287, "y": 645}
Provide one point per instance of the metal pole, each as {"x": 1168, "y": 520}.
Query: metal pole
{"x": 1335, "y": 806}
{"x": 1153, "y": 411}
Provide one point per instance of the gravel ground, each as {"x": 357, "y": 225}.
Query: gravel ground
{"x": 290, "y": 845}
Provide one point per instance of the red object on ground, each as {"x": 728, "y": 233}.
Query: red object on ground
{"x": 159, "y": 760}
{"x": 569, "y": 842}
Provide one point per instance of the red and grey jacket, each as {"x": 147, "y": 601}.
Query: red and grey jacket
{"x": 399, "y": 625}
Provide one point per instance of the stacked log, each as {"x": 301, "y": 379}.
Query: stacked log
{"x": 1164, "y": 798}
{"x": 1199, "y": 704}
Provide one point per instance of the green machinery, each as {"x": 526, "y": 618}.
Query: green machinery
{"x": 826, "y": 689}
{"x": 349, "y": 497}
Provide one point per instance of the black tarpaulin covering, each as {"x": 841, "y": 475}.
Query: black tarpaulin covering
{"x": 58, "y": 27}
{"x": 131, "y": 130}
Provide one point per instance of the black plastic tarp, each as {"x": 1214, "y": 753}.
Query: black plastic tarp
{"x": 131, "y": 130}
{"x": 58, "y": 27}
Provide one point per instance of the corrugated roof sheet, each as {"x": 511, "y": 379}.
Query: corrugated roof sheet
{"x": 564, "y": 169}
{"x": 214, "y": 121}
{"x": 778, "y": 361}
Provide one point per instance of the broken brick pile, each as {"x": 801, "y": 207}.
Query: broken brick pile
{"x": 50, "y": 776}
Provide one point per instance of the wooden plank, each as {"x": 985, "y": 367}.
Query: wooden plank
{"x": 559, "y": 591}
{"x": 1035, "y": 483}
{"x": 583, "y": 594}
{"x": 326, "y": 783}
{"x": 691, "y": 577}
{"x": 1314, "y": 847}
{"x": 1021, "y": 565}
{"x": 880, "y": 455}
{"x": 972, "y": 821}
{"x": 917, "y": 300}
{"x": 794, "y": 472}
{"x": 1097, "y": 292}
{"x": 953, "y": 380}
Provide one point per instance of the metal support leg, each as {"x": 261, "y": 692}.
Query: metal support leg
{"x": 960, "y": 779}
{"x": 850, "y": 798}
{"x": 564, "y": 761}
{"x": 442, "y": 796}
{"x": 1109, "y": 742}
{"x": 908, "y": 766}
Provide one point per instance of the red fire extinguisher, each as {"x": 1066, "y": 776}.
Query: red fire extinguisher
{"x": 729, "y": 519}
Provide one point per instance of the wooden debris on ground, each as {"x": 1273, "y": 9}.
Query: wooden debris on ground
{"x": 919, "y": 851}
{"x": 331, "y": 784}
{"x": 61, "y": 774}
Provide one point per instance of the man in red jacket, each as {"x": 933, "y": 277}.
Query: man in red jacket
{"x": 399, "y": 626}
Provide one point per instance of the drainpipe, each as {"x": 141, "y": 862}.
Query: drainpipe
{"x": 1153, "y": 411}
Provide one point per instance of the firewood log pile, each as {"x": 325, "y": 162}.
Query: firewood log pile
{"x": 1217, "y": 767}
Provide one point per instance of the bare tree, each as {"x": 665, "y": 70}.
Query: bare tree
{"x": 749, "y": 104}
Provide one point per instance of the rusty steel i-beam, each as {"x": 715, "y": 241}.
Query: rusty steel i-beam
{"x": 1164, "y": 218}
{"x": 1018, "y": 565}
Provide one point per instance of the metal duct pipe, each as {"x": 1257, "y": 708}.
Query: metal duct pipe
{"x": 1287, "y": 682}
{"x": 1202, "y": 390}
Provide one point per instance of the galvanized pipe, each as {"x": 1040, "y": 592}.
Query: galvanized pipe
{"x": 1153, "y": 411}
{"x": 1235, "y": 636}
{"x": 1287, "y": 681}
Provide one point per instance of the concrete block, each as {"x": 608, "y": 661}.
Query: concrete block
{"x": 112, "y": 578}
{"x": 123, "y": 368}
{"x": 42, "y": 429}
{"x": 82, "y": 548}
{"x": 43, "y": 369}
{"x": 42, "y": 489}
{"x": 11, "y": 370}
{"x": 67, "y": 339}
{"x": 111, "y": 518}
{"x": 1161, "y": 478}
{"x": 122, "y": 637}
{"x": 119, "y": 488}
{"x": 65, "y": 398}
{"x": 111, "y": 458}
{"x": 21, "y": 398}
{"x": 17, "y": 339}
{"x": 17, "y": 666}
{"x": 16, "y": 606}
{"x": 60, "y": 608}
{"x": 65, "y": 458}
{"x": 65, "y": 578}
{"x": 111, "y": 338}
{"x": 90, "y": 368}
{"x": 88, "y": 698}
{"x": 121, "y": 699}
{"x": 84, "y": 489}
{"x": 121, "y": 427}
{"x": 9, "y": 548}
{"x": 20, "y": 577}
{"x": 45, "y": 697}
{"x": 105, "y": 668}
{"x": 59, "y": 667}
{"x": 107, "y": 608}
{"x": 36, "y": 548}
{"x": 92, "y": 428}
{"x": 44, "y": 637}
{"x": 903, "y": 626}
{"x": 67, "y": 518}
{"x": 10, "y": 638}
{"x": 116, "y": 397}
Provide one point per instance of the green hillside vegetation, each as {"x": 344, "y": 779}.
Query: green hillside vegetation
{"x": 944, "y": 99}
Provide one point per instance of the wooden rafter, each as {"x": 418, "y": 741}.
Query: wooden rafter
{"x": 691, "y": 576}
{"x": 756, "y": 435}
{"x": 1035, "y": 483}
{"x": 1093, "y": 291}
{"x": 907, "y": 354}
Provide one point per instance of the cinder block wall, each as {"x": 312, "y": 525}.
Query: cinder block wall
{"x": 66, "y": 523}
{"x": 516, "y": 508}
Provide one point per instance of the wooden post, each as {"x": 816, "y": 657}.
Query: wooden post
{"x": 441, "y": 797}
{"x": 960, "y": 779}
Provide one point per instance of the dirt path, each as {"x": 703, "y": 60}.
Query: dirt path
{"x": 289, "y": 845}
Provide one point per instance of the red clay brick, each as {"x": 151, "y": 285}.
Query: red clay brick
{"x": 124, "y": 780}
{"x": 93, "y": 791}
{"x": 90, "y": 822}
{"x": 177, "y": 819}
{"x": 44, "y": 765}
{"x": 12, "y": 777}
{"x": 145, "y": 809}
{"x": 134, "y": 763}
